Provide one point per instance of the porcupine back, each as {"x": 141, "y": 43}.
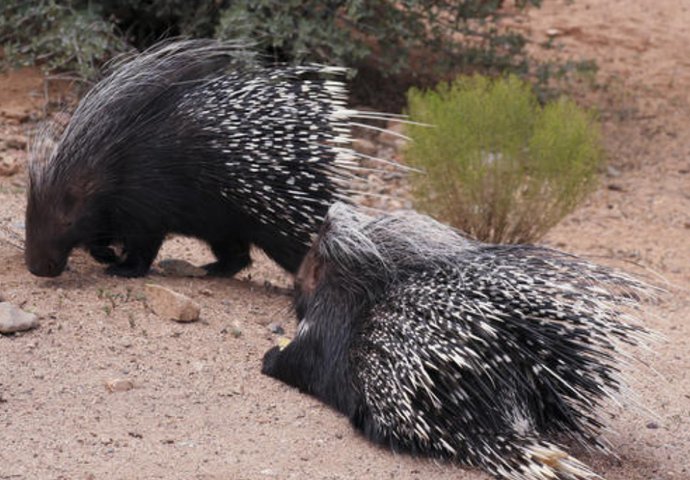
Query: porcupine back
{"x": 458, "y": 349}
{"x": 194, "y": 137}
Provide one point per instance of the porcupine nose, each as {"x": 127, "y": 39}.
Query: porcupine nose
{"x": 47, "y": 268}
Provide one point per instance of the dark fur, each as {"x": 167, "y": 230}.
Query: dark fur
{"x": 366, "y": 294}
{"x": 133, "y": 167}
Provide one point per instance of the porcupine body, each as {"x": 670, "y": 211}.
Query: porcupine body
{"x": 435, "y": 344}
{"x": 192, "y": 137}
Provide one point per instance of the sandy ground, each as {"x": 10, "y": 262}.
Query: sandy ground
{"x": 200, "y": 407}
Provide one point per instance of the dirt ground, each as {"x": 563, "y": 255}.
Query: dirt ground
{"x": 200, "y": 407}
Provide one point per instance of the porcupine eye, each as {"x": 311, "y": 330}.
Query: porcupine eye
{"x": 69, "y": 205}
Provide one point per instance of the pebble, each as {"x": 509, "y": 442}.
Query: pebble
{"x": 236, "y": 330}
{"x": 365, "y": 146}
{"x": 180, "y": 268}
{"x": 17, "y": 142}
{"x": 119, "y": 385}
{"x": 16, "y": 114}
{"x": 652, "y": 425}
{"x": 276, "y": 328}
{"x": 8, "y": 166}
{"x": 394, "y": 131}
{"x": 13, "y": 319}
{"x": 612, "y": 171}
{"x": 171, "y": 305}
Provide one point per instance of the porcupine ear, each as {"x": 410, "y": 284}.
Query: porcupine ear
{"x": 343, "y": 243}
{"x": 311, "y": 272}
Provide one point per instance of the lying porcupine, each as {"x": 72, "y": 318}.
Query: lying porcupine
{"x": 436, "y": 344}
{"x": 192, "y": 137}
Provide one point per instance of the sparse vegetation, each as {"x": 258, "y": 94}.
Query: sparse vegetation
{"x": 405, "y": 43}
{"x": 57, "y": 35}
{"x": 498, "y": 164}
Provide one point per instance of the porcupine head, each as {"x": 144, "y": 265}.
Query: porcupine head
{"x": 60, "y": 214}
{"x": 340, "y": 280}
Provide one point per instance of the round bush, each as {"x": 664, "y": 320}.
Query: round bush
{"x": 496, "y": 163}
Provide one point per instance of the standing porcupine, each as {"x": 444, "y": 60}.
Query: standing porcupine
{"x": 192, "y": 137}
{"x": 436, "y": 344}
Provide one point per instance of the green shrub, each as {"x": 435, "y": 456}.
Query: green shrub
{"x": 57, "y": 35}
{"x": 498, "y": 164}
{"x": 349, "y": 31}
{"x": 393, "y": 44}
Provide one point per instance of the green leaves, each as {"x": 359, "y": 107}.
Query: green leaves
{"x": 498, "y": 164}
{"x": 57, "y": 36}
{"x": 393, "y": 43}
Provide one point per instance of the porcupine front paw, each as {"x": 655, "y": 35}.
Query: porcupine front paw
{"x": 126, "y": 271}
{"x": 232, "y": 256}
{"x": 139, "y": 255}
{"x": 227, "y": 268}
{"x": 103, "y": 254}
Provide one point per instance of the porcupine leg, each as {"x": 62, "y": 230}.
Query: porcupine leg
{"x": 101, "y": 251}
{"x": 292, "y": 365}
{"x": 232, "y": 255}
{"x": 139, "y": 254}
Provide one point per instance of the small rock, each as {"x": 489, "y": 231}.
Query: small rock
{"x": 276, "y": 328}
{"x": 8, "y": 166}
{"x": 180, "y": 268}
{"x": 17, "y": 142}
{"x": 612, "y": 171}
{"x": 171, "y": 305}
{"x": 553, "y": 32}
{"x": 652, "y": 425}
{"x": 119, "y": 385}
{"x": 235, "y": 330}
{"x": 364, "y": 146}
{"x": 12, "y": 319}
{"x": 394, "y": 131}
{"x": 615, "y": 187}
{"x": 400, "y": 144}
{"x": 16, "y": 113}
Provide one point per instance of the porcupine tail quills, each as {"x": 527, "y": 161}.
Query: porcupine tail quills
{"x": 530, "y": 459}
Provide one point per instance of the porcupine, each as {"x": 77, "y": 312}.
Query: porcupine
{"x": 193, "y": 137}
{"x": 436, "y": 344}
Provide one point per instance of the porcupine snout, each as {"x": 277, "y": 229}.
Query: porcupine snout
{"x": 44, "y": 260}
